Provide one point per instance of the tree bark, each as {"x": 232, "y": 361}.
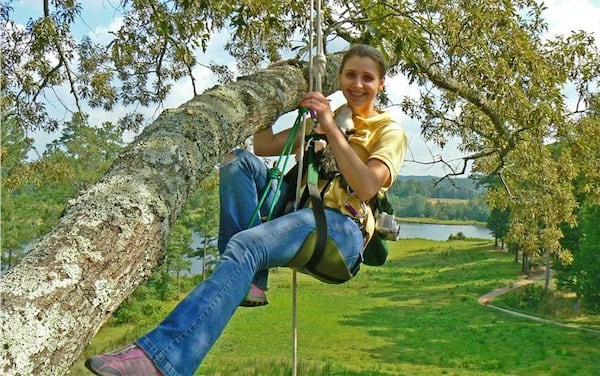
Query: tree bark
{"x": 114, "y": 234}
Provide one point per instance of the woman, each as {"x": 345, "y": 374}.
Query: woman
{"x": 368, "y": 159}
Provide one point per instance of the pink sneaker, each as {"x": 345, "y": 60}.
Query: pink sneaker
{"x": 126, "y": 361}
{"x": 256, "y": 297}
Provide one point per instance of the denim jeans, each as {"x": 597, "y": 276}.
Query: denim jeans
{"x": 181, "y": 341}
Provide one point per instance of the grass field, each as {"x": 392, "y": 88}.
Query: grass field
{"x": 417, "y": 315}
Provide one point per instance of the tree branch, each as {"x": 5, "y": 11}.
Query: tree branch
{"x": 452, "y": 85}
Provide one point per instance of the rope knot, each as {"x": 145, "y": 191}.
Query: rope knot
{"x": 273, "y": 173}
{"x": 320, "y": 64}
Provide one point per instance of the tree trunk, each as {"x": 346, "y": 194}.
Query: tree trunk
{"x": 203, "y": 264}
{"x": 547, "y": 271}
{"x": 113, "y": 235}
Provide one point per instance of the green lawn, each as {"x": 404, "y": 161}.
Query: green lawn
{"x": 417, "y": 315}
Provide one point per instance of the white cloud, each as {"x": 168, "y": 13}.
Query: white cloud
{"x": 566, "y": 16}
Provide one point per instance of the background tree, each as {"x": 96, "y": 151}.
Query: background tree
{"x": 176, "y": 261}
{"x": 498, "y": 223}
{"x": 13, "y": 152}
{"x": 202, "y": 217}
{"x": 89, "y": 150}
{"x": 35, "y": 192}
{"x": 582, "y": 274}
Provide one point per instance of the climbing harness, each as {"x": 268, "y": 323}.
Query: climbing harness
{"x": 318, "y": 255}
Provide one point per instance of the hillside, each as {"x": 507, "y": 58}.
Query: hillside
{"x": 457, "y": 188}
{"x": 424, "y": 197}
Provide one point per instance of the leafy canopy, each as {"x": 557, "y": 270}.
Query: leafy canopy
{"x": 485, "y": 75}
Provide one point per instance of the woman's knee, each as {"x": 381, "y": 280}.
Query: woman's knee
{"x": 237, "y": 155}
{"x": 239, "y": 250}
{"x": 239, "y": 159}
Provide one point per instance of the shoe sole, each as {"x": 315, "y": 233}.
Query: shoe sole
{"x": 89, "y": 367}
{"x": 253, "y": 303}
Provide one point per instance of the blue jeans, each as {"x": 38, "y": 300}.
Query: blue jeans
{"x": 181, "y": 341}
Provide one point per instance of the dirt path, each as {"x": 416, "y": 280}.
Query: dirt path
{"x": 487, "y": 299}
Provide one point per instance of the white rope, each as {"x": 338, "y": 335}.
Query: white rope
{"x": 317, "y": 68}
{"x": 296, "y": 201}
{"x": 319, "y": 61}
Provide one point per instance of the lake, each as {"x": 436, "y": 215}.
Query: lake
{"x": 442, "y": 232}
{"x": 414, "y": 230}
{"x": 407, "y": 231}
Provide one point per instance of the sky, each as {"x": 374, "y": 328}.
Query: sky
{"x": 99, "y": 17}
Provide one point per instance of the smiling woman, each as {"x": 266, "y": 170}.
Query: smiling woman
{"x": 361, "y": 79}
{"x": 368, "y": 159}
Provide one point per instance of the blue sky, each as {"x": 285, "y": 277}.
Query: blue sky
{"x": 99, "y": 17}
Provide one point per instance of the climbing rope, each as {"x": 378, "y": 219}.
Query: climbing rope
{"x": 317, "y": 68}
{"x": 276, "y": 172}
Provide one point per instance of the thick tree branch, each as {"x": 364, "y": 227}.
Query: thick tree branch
{"x": 113, "y": 236}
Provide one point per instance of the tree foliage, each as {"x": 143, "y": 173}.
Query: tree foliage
{"x": 34, "y": 193}
{"x": 156, "y": 45}
{"x": 582, "y": 276}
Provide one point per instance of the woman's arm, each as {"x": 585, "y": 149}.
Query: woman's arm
{"x": 267, "y": 144}
{"x": 365, "y": 179}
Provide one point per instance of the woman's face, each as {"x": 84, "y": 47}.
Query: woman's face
{"x": 360, "y": 82}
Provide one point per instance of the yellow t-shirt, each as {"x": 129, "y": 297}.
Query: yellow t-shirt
{"x": 376, "y": 137}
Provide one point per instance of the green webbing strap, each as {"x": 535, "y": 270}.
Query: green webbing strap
{"x": 276, "y": 172}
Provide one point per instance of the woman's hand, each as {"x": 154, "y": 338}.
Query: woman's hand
{"x": 319, "y": 104}
{"x": 268, "y": 144}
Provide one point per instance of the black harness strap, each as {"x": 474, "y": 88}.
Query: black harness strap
{"x": 318, "y": 209}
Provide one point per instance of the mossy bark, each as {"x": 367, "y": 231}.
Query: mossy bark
{"x": 113, "y": 235}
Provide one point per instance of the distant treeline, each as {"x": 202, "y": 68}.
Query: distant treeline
{"x": 421, "y": 197}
